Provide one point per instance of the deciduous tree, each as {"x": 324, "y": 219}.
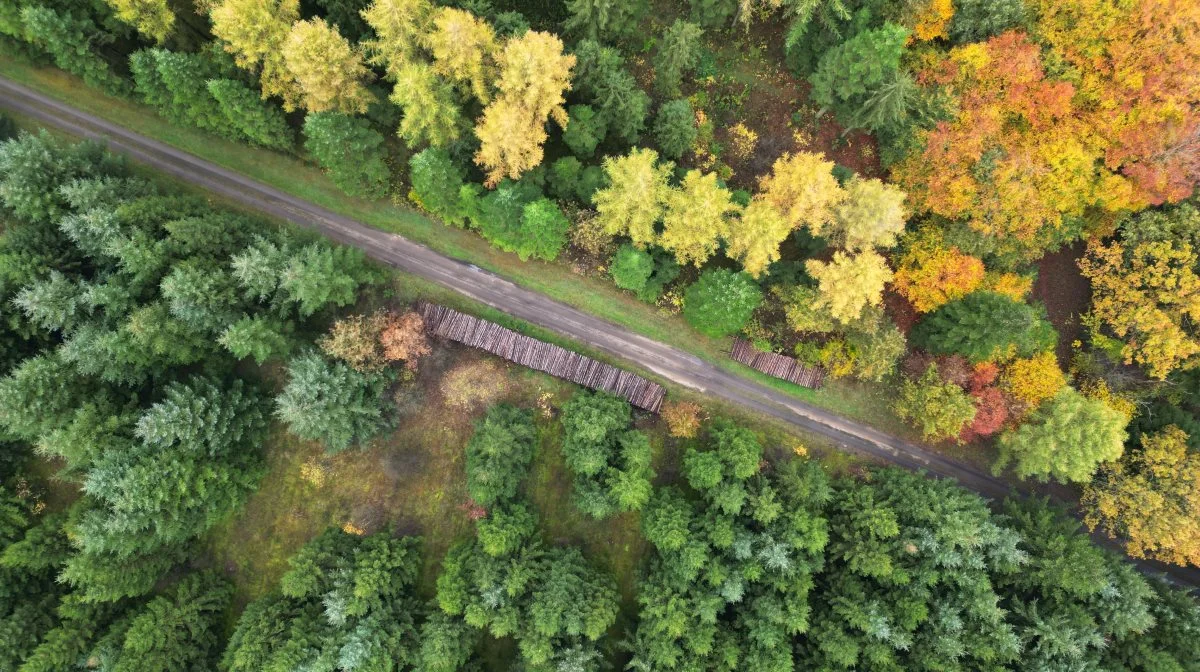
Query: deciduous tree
{"x": 802, "y": 187}
{"x": 329, "y": 71}
{"x": 721, "y": 302}
{"x": 939, "y": 410}
{"x": 848, "y": 284}
{"x": 153, "y": 18}
{"x": 1149, "y": 296}
{"x": 871, "y": 215}
{"x": 534, "y": 76}
{"x": 1150, "y": 499}
{"x": 754, "y": 237}
{"x": 464, "y": 50}
{"x": 635, "y": 197}
{"x": 1066, "y": 438}
{"x": 255, "y": 33}
{"x": 696, "y": 217}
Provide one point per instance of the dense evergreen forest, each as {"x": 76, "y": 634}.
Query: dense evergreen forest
{"x": 982, "y": 212}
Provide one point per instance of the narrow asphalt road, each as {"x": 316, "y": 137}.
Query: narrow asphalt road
{"x": 486, "y": 287}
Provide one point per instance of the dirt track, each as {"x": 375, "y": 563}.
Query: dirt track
{"x": 666, "y": 361}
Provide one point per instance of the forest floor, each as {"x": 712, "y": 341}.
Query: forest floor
{"x": 413, "y": 480}
{"x": 1066, "y": 294}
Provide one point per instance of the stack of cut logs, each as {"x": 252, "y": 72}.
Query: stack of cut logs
{"x": 779, "y": 366}
{"x": 541, "y": 356}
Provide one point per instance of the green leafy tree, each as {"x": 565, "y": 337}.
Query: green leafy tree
{"x": 721, "y": 302}
{"x": 585, "y": 130}
{"x": 675, "y": 128}
{"x": 678, "y": 55}
{"x": 631, "y": 268}
{"x": 940, "y": 410}
{"x": 332, "y": 403}
{"x": 876, "y": 351}
{"x": 985, "y": 326}
{"x": 437, "y": 181}
{"x": 543, "y": 231}
{"x": 350, "y": 150}
{"x": 1066, "y": 439}
{"x": 498, "y": 454}
{"x": 257, "y": 120}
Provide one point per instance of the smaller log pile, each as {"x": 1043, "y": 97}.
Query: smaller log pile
{"x": 778, "y": 366}
{"x": 541, "y": 356}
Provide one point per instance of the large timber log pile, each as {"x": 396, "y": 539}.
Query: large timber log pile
{"x": 778, "y": 366}
{"x": 541, "y": 356}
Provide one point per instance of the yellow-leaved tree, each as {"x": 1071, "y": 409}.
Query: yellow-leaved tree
{"x": 534, "y": 76}
{"x": 464, "y": 50}
{"x": 152, "y": 18}
{"x": 636, "y": 194}
{"x": 1149, "y": 297}
{"x": 431, "y": 111}
{"x": 871, "y": 215}
{"x": 800, "y": 191}
{"x": 848, "y": 284}
{"x": 254, "y": 31}
{"x": 696, "y": 217}
{"x": 802, "y": 188}
{"x": 329, "y": 70}
{"x": 398, "y": 26}
{"x": 1151, "y": 499}
{"x": 753, "y": 239}
{"x": 931, "y": 273}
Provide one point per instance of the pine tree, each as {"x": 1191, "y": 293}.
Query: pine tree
{"x": 179, "y": 630}
{"x": 678, "y": 54}
{"x": 984, "y": 326}
{"x": 331, "y": 402}
{"x": 675, "y": 128}
{"x": 498, "y": 454}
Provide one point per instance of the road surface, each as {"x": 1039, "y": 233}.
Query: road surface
{"x": 669, "y": 362}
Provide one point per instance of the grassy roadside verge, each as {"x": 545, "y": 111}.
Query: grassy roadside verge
{"x": 866, "y": 403}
